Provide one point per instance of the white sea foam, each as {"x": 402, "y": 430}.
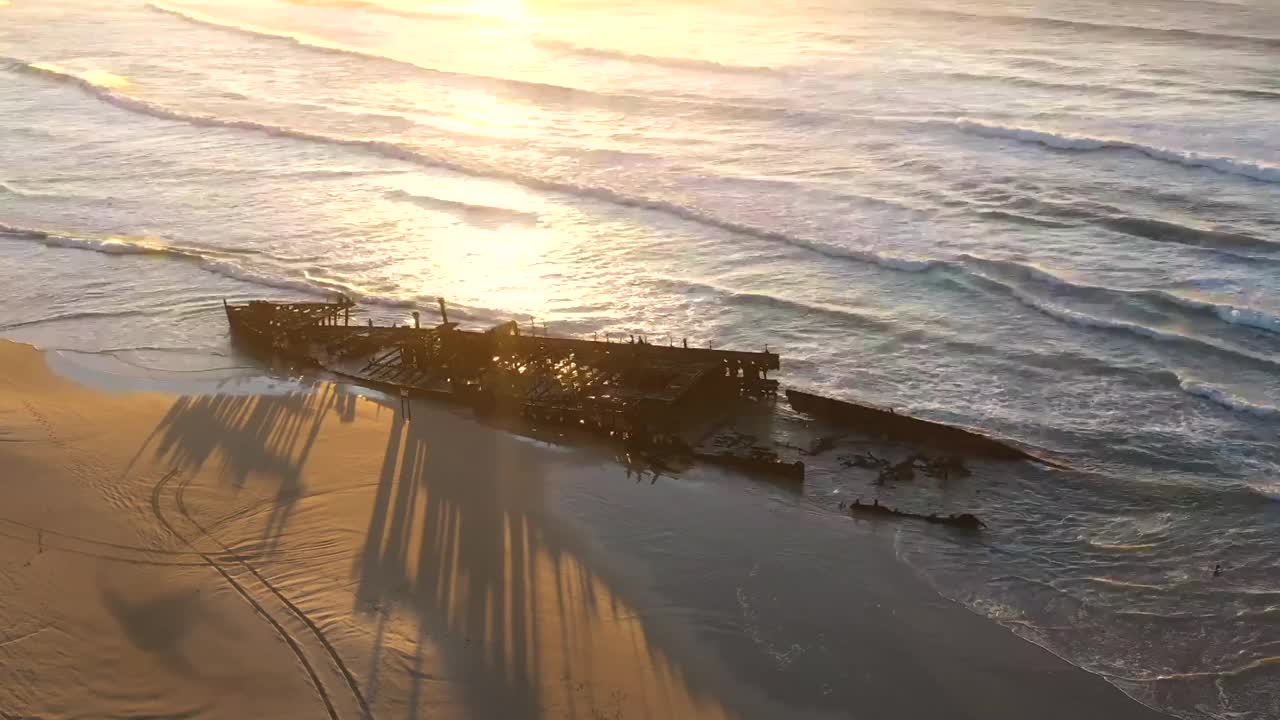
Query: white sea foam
{"x": 227, "y": 264}
{"x": 470, "y": 210}
{"x": 320, "y": 44}
{"x": 1228, "y": 312}
{"x": 682, "y": 63}
{"x": 236, "y": 265}
{"x": 1261, "y": 172}
{"x": 1228, "y": 399}
{"x": 13, "y": 189}
{"x": 1087, "y": 320}
{"x": 422, "y": 157}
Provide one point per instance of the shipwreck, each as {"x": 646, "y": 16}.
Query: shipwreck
{"x": 657, "y": 400}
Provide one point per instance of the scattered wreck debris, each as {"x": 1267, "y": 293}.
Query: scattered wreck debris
{"x": 757, "y": 460}
{"x": 867, "y": 460}
{"x": 943, "y": 468}
{"x": 904, "y": 471}
{"x": 821, "y": 445}
{"x": 889, "y": 424}
{"x": 966, "y": 521}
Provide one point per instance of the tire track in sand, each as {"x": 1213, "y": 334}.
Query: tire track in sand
{"x": 227, "y": 553}
{"x": 156, "y": 493}
{"x": 59, "y": 541}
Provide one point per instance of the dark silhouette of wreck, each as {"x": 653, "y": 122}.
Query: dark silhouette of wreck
{"x": 652, "y": 398}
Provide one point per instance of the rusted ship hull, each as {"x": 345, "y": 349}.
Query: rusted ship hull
{"x": 887, "y": 423}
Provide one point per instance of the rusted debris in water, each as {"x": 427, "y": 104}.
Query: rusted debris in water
{"x": 889, "y": 424}
{"x": 966, "y": 521}
{"x": 821, "y": 445}
{"x": 755, "y": 460}
{"x": 943, "y": 468}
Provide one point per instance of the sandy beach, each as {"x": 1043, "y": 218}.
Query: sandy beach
{"x": 312, "y": 554}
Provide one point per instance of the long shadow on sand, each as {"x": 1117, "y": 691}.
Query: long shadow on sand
{"x": 528, "y": 623}
{"x": 269, "y": 437}
{"x": 514, "y": 613}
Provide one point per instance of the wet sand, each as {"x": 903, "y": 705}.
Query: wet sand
{"x": 312, "y": 554}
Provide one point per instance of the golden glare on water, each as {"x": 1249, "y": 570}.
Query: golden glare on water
{"x": 501, "y": 9}
{"x": 505, "y": 9}
{"x": 102, "y": 78}
{"x": 99, "y": 78}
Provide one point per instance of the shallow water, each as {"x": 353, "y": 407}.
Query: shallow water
{"x": 1054, "y": 221}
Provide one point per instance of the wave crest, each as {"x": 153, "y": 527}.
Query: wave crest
{"x": 1260, "y": 172}
{"x": 396, "y": 10}
{"x": 1087, "y": 320}
{"x": 79, "y": 315}
{"x": 537, "y": 90}
{"x": 1226, "y": 312}
{"x": 466, "y": 211}
{"x": 231, "y": 264}
{"x": 680, "y": 63}
{"x": 1228, "y": 399}
{"x": 1159, "y": 33}
{"x": 421, "y": 157}
{"x": 767, "y": 300}
{"x": 1164, "y": 231}
{"x": 11, "y": 189}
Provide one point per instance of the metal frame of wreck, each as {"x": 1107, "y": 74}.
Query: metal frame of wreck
{"x": 632, "y": 391}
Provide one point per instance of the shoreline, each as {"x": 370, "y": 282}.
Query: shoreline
{"x": 447, "y": 565}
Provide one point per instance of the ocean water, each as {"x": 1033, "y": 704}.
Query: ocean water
{"x": 1055, "y": 221}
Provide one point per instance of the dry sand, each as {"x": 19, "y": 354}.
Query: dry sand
{"x": 312, "y": 555}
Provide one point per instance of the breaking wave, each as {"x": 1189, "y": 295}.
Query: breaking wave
{"x": 1088, "y": 320}
{"x": 759, "y": 299}
{"x": 1226, "y": 312}
{"x": 418, "y": 156}
{"x": 1227, "y": 399}
{"x": 1246, "y": 93}
{"x": 219, "y": 262}
{"x": 1162, "y": 33}
{"x": 230, "y": 264}
{"x": 400, "y": 11}
{"x": 1062, "y": 141}
{"x": 12, "y": 189}
{"x": 1234, "y": 314}
{"x": 466, "y": 210}
{"x": 1053, "y": 86}
{"x": 1021, "y": 219}
{"x": 681, "y": 63}
{"x": 315, "y": 43}
{"x": 1218, "y": 395}
{"x": 1164, "y": 231}
{"x": 1037, "y": 211}
{"x": 537, "y": 90}
{"x": 65, "y": 317}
